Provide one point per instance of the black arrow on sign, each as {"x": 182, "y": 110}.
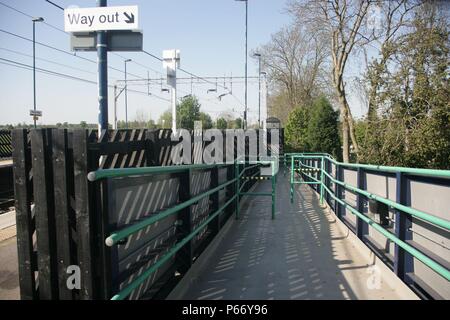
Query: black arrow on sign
{"x": 130, "y": 18}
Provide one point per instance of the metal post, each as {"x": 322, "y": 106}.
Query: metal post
{"x": 246, "y": 58}
{"x": 244, "y": 123}
{"x": 34, "y": 72}
{"x": 337, "y": 190}
{"x": 264, "y": 86}
{"x": 322, "y": 167}
{"x": 259, "y": 92}
{"x": 171, "y": 62}
{"x": 102, "y": 58}
{"x": 126, "y": 94}
{"x": 273, "y": 196}
{"x": 403, "y": 261}
{"x": 115, "y": 107}
{"x": 361, "y": 227}
{"x": 292, "y": 179}
{"x": 236, "y": 175}
{"x": 173, "y": 91}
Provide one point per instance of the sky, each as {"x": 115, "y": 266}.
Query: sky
{"x": 208, "y": 33}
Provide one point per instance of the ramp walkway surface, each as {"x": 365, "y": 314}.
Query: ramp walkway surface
{"x": 304, "y": 253}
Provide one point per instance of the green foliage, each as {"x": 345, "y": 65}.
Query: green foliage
{"x": 296, "y": 130}
{"x": 221, "y": 123}
{"x": 165, "y": 120}
{"x": 323, "y": 132}
{"x": 188, "y": 111}
{"x": 206, "y": 120}
{"x": 313, "y": 128}
{"x": 237, "y": 123}
{"x": 412, "y": 124}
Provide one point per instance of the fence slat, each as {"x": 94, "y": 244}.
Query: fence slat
{"x": 44, "y": 213}
{"x": 24, "y": 222}
{"x": 84, "y": 198}
{"x": 214, "y": 225}
{"x": 185, "y": 255}
{"x": 62, "y": 210}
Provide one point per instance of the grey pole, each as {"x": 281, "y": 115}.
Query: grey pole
{"x": 34, "y": 71}
{"x": 259, "y": 92}
{"x": 258, "y": 55}
{"x": 126, "y": 94}
{"x": 115, "y": 107}
{"x": 244, "y": 123}
{"x": 246, "y": 58}
{"x": 102, "y": 58}
{"x": 38, "y": 19}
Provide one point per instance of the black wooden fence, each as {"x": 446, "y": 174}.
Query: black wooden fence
{"x": 58, "y": 210}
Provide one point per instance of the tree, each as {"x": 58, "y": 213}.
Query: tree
{"x": 188, "y": 111}
{"x": 296, "y": 130}
{"x": 294, "y": 60}
{"x": 323, "y": 131}
{"x": 151, "y": 124}
{"x": 412, "y": 125}
{"x": 206, "y": 120}
{"x": 341, "y": 21}
{"x": 140, "y": 120}
{"x": 165, "y": 120}
{"x": 395, "y": 19}
{"x": 221, "y": 123}
{"x": 237, "y": 123}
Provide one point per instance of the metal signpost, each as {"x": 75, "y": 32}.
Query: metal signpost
{"x": 35, "y": 114}
{"x": 171, "y": 61}
{"x": 88, "y": 27}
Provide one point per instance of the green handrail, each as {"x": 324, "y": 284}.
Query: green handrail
{"x": 121, "y": 234}
{"x": 248, "y": 168}
{"x": 418, "y": 171}
{"x": 438, "y": 268}
{"x": 141, "y": 278}
{"x": 410, "y": 249}
{"x": 124, "y": 172}
{"x": 414, "y": 212}
{"x": 245, "y": 182}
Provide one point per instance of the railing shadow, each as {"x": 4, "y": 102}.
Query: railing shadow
{"x": 292, "y": 257}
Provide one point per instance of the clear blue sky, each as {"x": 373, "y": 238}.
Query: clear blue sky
{"x": 209, "y": 34}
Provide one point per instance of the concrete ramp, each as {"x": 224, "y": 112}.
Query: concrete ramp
{"x": 305, "y": 253}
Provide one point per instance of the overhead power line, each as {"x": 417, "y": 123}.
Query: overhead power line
{"x": 205, "y": 79}
{"x": 67, "y": 76}
{"x": 54, "y": 4}
{"x": 63, "y": 51}
{"x": 187, "y": 78}
{"x": 48, "y": 61}
{"x": 63, "y": 31}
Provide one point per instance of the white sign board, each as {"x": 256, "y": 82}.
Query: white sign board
{"x": 36, "y": 113}
{"x": 171, "y": 62}
{"x": 101, "y": 18}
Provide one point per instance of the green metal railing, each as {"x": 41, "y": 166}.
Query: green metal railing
{"x": 116, "y": 236}
{"x": 273, "y": 163}
{"x": 298, "y": 158}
